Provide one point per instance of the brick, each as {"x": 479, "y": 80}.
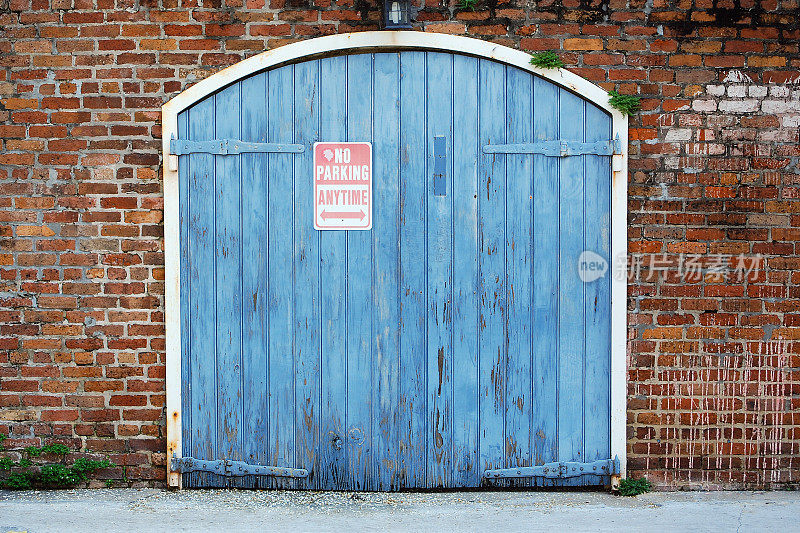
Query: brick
{"x": 34, "y": 231}
{"x": 158, "y": 44}
{"x": 446, "y": 27}
{"x": 582, "y": 44}
{"x": 128, "y": 400}
{"x": 184, "y": 30}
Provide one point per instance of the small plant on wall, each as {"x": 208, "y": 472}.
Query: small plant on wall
{"x": 547, "y": 60}
{"x": 627, "y": 104}
{"x": 467, "y": 5}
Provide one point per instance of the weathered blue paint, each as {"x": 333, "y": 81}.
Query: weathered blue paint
{"x": 519, "y": 266}
{"x": 413, "y": 444}
{"x": 571, "y": 316}
{"x": 186, "y": 276}
{"x": 492, "y": 297}
{"x": 255, "y": 189}
{"x": 360, "y": 308}
{"x": 281, "y": 355}
{"x": 465, "y": 275}
{"x": 546, "y": 237}
{"x": 333, "y": 276}
{"x": 438, "y": 275}
{"x": 454, "y": 337}
{"x": 201, "y": 379}
{"x": 386, "y": 243}
{"x": 227, "y": 281}
{"x": 597, "y": 297}
{"x": 307, "y": 327}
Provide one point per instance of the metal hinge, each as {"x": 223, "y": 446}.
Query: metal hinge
{"x": 562, "y": 469}
{"x": 558, "y": 148}
{"x": 230, "y": 147}
{"x": 224, "y": 467}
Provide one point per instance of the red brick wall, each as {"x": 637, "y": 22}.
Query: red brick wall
{"x": 713, "y": 395}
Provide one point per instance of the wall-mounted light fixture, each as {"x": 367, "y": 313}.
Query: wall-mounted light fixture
{"x": 396, "y": 14}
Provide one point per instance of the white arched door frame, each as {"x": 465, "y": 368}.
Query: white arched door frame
{"x": 389, "y": 41}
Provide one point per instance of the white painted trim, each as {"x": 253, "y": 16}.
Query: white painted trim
{"x": 172, "y": 293}
{"x": 365, "y": 42}
{"x": 619, "y": 295}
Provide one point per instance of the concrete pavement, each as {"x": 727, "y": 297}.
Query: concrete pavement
{"x": 144, "y": 510}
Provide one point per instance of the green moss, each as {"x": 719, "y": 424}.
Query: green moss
{"x": 634, "y": 487}
{"x": 627, "y": 104}
{"x": 6, "y": 463}
{"x": 547, "y": 59}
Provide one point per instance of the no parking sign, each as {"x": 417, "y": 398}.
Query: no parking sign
{"x": 343, "y": 186}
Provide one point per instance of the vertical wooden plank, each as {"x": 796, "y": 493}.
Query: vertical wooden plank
{"x": 307, "y": 281}
{"x": 597, "y": 236}
{"x": 492, "y": 261}
{"x": 544, "y": 406}
{"x": 255, "y": 251}
{"x": 571, "y": 297}
{"x": 519, "y": 282}
{"x": 202, "y": 293}
{"x": 413, "y": 410}
{"x": 228, "y": 276}
{"x": 465, "y": 274}
{"x": 439, "y": 111}
{"x": 281, "y": 274}
{"x": 359, "y": 292}
{"x": 185, "y": 215}
{"x": 333, "y": 294}
{"x": 386, "y": 249}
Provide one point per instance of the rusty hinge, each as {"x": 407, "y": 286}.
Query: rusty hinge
{"x": 561, "y": 469}
{"x": 225, "y": 467}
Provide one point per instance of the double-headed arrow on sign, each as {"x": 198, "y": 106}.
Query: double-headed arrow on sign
{"x": 326, "y": 215}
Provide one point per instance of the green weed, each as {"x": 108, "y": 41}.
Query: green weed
{"x": 547, "y": 59}
{"x": 634, "y": 487}
{"x": 627, "y": 104}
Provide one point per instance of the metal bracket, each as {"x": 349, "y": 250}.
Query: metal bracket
{"x": 557, "y": 148}
{"x": 617, "y": 145}
{"x": 562, "y": 469}
{"x": 439, "y": 166}
{"x": 230, "y": 147}
{"x": 224, "y": 467}
{"x": 616, "y": 159}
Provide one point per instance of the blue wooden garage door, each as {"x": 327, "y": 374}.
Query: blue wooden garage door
{"x": 454, "y": 337}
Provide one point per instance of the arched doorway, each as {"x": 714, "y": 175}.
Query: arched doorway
{"x": 453, "y": 342}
